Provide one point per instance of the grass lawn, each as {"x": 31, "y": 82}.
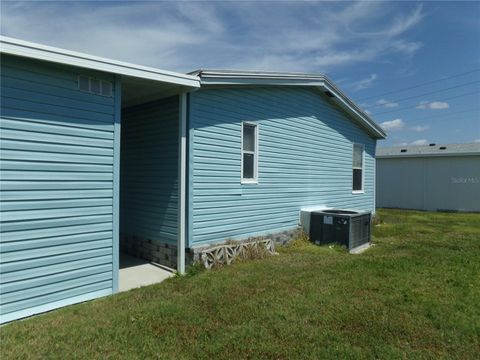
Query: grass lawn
{"x": 416, "y": 294}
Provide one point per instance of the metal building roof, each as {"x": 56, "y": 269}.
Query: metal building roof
{"x": 266, "y": 78}
{"x": 429, "y": 150}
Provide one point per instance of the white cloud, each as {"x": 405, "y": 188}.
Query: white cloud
{"x": 419, "y": 142}
{"x": 476, "y": 140}
{"x": 182, "y": 36}
{"x": 364, "y": 83}
{"x": 433, "y": 105}
{"x": 386, "y": 103}
{"x": 368, "y": 112}
{"x": 422, "y": 105}
{"x": 395, "y": 124}
{"x": 438, "y": 105}
{"x": 408, "y": 48}
{"x": 420, "y": 128}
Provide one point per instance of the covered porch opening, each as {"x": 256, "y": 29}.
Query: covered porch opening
{"x": 152, "y": 162}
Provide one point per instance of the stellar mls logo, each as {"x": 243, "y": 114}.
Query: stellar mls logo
{"x": 465, "y": 180}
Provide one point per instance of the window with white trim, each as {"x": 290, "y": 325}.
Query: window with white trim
{"x": 249, "y": 152}
{"x": 357, "y": 168}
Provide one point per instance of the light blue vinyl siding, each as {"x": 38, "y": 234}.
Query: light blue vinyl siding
{"x": 305, "y": 158}
{"x": 56, "y": 190}
{"x": 149, "y": 175}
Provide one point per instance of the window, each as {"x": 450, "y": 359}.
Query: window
{"x": 357, "y": 168}
{"x": 95, "y": 86}
{"x": 249, "y": 152}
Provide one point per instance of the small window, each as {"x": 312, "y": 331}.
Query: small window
{"x": 95, "y": 86}
{"x": 357, "y": 168}
{"x": 249, "y": 152}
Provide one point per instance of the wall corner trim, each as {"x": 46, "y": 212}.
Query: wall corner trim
{"x": 182, "y": 179}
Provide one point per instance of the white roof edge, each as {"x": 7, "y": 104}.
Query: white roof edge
{"x": 251, "y": 73}
{"x": 433, "y": 150}
{"x": 426, "y": 155}
{"x": 242, "y": 77}
{"x": 32, "y": 50}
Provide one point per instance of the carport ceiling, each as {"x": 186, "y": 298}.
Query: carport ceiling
{"x": 137, "y": 91}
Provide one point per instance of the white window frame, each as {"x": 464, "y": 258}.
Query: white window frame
{"x": 362, "y": 190}
{"x": 253, "y": 180}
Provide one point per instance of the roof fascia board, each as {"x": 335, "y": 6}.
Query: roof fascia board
{"x": 47, "y": 53}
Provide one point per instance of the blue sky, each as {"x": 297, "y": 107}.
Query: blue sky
{"x": 370, "y": 49}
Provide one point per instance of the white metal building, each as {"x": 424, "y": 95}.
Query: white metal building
{"x": 432, "y": 177}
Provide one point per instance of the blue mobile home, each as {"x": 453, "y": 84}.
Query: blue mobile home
{"x": 99, "y": 155}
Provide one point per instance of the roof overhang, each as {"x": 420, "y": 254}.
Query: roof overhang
{"x": 47, "y": 53}
{"x": 262, "y": 78}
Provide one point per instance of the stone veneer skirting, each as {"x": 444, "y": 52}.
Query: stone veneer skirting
{"x": 166, "y": 254}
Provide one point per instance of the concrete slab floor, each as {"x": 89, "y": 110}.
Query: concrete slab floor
{"x": 135, "y": 273}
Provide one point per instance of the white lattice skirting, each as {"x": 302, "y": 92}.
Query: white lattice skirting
{"x": 228, "y": 253}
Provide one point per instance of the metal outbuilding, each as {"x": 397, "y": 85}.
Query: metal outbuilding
{"x": 432, "y": 177}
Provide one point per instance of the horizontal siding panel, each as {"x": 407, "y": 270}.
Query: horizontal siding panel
{"x": 55, "y": 296}
{"x": 54, "y": 148}
{"x": 20, "y": 135}
{"x": 244, "y": 227}
{"x": 54, "y": 119}
{"x": 44, "y": 271}
{"x": 52, "y": 167}
{"x": 55, "y": 157}
{"x": 305, "y": 158}
{"x": 53, "y": 194}
{"x": 56, "y": 176}
{"x": 40, "y": 284}
{"x": 13, "y": 82}
{"x": 57, "y": 110}
{"x": 54, "y": 250}
{"x": 25, "y": 215}
{"x": 56, "y": 187}
{"x": 103, "y": 223}
{"x": 51, "y": 260}
{"x": 87, "y": 218}
{"x": 53, "y": 241}
{"x": 42, "y": 98}
{"x": 149, "y": 176}
{"x": 53, "y": 204}
{"x": 35, "y": 125}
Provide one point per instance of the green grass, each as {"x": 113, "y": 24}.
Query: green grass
{"x": 414, "y": 295}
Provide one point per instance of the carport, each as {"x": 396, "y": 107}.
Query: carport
{"x": 150, "y": 220}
